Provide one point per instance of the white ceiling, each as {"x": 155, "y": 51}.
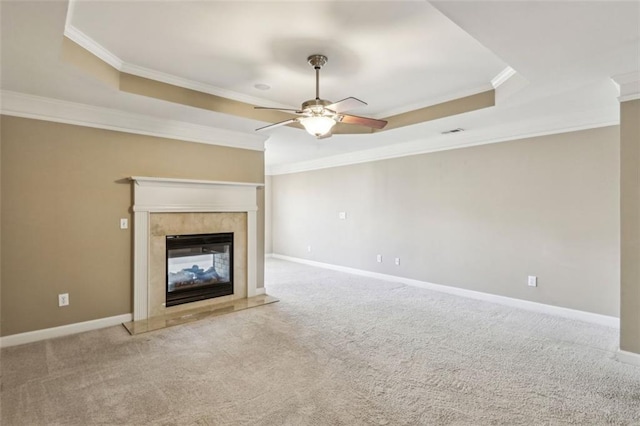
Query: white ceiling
{"x": 395, "y": 55}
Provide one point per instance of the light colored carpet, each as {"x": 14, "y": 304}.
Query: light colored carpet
{"x": 337, "y": 349}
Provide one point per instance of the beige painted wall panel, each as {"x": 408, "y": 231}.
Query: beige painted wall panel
{"x": 630, "y": 226}
{"x": 88, "y": 62}
{"x": 445, "y": 109}
{"x": 481, "y": 218}
{"x": 63, "y": 193}
{"x": 168, "y": 92}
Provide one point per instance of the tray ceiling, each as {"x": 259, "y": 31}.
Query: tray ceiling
{"x": 398, "y": 56}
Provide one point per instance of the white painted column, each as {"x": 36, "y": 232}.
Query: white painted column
{"x": 140, "y": 265}
{"x": 252, "y": 247}
{"x": 629, "y": 85}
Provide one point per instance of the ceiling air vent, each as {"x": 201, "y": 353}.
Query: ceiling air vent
{"x": 458, "y": 130}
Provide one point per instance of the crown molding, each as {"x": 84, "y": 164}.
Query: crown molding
{"x": 503, "y": 133}
{"x": 87, "y": 43}
{"x": 628, "y": 85}
{"x": 198, "y": 86}
{"x": 502, "y": 77}
{"x": 496, "y": 82}
{"x": 433, "y": 101}
{"x": 41, "y": 108}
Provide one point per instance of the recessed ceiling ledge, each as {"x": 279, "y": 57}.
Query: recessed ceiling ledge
{"x": 628, "y": 85}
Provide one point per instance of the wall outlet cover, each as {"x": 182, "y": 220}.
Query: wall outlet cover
{"x": 532, "y": 281}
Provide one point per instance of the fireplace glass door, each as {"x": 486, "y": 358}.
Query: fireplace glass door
{"x": 199, "y": 267}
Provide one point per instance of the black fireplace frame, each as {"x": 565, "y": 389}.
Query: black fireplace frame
{"x": 180, "y": 296}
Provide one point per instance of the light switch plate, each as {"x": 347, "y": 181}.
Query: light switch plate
{"x": 63, "y": 299}
{"x": 124, "y": 223}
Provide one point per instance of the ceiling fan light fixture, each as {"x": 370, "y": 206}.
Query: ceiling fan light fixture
{"x": 318, "y": 125}
{"x": 320, "y": 115}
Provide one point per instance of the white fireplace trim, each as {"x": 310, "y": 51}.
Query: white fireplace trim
{"x": 163, "y": 195}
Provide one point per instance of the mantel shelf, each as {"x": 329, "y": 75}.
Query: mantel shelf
{"x": 141, "y": 180}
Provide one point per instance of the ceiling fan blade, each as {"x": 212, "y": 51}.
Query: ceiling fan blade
{"x": 293, "y": 111}
{"x": 346, "y": 105}
{"x": 362, "y": 121}
{"x": 281, "y": 123}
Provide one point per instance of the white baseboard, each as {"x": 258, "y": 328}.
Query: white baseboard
{"x": 64, "y": 330}
{"x": 589, "y": 317}
{"x": 628, "y": 357}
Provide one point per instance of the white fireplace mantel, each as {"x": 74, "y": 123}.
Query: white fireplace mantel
{"x": 162, "y": 195}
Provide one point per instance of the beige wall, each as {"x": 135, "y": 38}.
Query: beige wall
{"x": 64, "y": 190}
{"x": 481, "y": 218}
{"x": 630, "y": 226}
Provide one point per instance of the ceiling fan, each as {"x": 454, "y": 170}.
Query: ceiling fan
{"x": 318, "y": 116}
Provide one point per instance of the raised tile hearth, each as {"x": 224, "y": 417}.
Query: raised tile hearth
{"x": 195, "y": 314}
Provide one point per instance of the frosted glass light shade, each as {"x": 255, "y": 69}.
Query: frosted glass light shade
{"x": 318, "y": 125}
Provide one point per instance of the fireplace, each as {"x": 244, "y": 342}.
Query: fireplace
{"x": 199, "y": 267}
{"x": 169, "y": 207}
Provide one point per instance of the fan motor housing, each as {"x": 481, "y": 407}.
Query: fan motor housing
{"x": 311, "y": 103}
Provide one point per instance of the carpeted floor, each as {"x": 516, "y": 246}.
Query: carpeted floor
{"x": 337, "y": 349}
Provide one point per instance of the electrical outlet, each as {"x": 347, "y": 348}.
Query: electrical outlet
{"x": 309, "y": 249}
{"x": 397, "y": 260}
{"x": 342, "y": 215}
{"x": 379, "y": 258}
{"x": 63, "y": 299}
{"x": 124, "y": 223}
{"x": 532, "y": 281}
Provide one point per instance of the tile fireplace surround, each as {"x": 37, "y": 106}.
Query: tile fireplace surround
{"x": 164, "y": 206}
